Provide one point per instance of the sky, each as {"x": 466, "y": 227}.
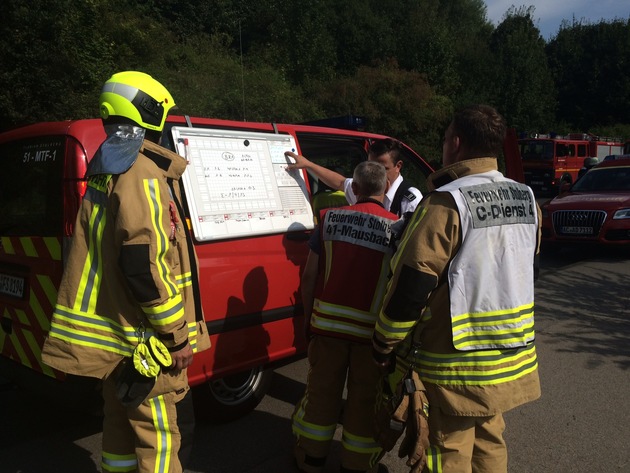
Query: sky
{"x": 548, "y": 14}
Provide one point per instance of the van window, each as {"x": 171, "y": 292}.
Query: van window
{"x": 581, "y": 151}
{"x": 565, "y": 150}
{"x": 339, "y": 153}
{"x": 343, "y": 153}
{"x": 30, "y": 186}
{"x": 536, "y": 149}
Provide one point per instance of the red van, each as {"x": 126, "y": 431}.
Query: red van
{"x": 249, "y": 279}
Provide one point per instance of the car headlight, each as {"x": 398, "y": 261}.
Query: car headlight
{"x": 622, "y": 213}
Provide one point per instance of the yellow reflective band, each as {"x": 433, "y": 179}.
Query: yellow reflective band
{"x": 319, "y": 433}
{"x": 184, "y": 280}
{"x": 355, "y": 443}
{"x": 499, "y": 337}
{"x": 345, "y": 312}
{"x": 7, "y": 245}
{"x": 501, "y": 327}
{"x": 192, "y": 329}
{"x": 392, "y": 329}
{"x": 485, "y": 358}
{"x": 54, "y": 248}
{"x": 164, "y": 437}
{"x": 89, "y": 286}
{"x": 89, "y": 339}
{"x": 518, "y": 312}
{"x": 339, "y": 326}
{"x": 167, "y": 313}
{"x": 154, "y": 199}
{"x": 434, "y": 459}
{"x": 496, "y": 370}
{"x": 119, "y": 463}
{"x": 507, "y": 328}
{"x": 192, "y": 336}
{"x": 98, "y": 322}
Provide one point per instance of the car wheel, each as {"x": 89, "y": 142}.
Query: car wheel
{"x": 229, "y": 398}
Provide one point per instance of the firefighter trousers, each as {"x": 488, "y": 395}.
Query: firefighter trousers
{"x": 465, "y": 444}
{"x": 332, "y": 362}
{"x": 154, "y": 437}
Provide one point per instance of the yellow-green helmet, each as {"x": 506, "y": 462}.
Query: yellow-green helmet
{"x": 138, "y": 97}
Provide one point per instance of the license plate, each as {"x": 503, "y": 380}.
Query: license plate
{"x": 537, "y": 183}
{"x": 578, "y": 230}
{"x": 11, "y": 286}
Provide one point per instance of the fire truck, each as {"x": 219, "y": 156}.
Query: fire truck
{"x": 550, "y": 160}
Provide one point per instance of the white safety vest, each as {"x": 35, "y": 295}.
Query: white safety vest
{"x": 491, "y": 277}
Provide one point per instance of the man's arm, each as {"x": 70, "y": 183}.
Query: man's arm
{"x": 331, "y": 178}
{"x": 431, "y": 238}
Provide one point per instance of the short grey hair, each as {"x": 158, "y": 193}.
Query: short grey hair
{"x": 371, "y": 177}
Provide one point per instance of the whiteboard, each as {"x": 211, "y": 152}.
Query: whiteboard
{"x": 237, "y": 185}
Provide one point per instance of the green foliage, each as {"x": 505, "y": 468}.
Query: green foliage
{"x": 522, "y": 84}
{"x": 395, "y": 102}
{"x": 590, "y": 63}
{"x": 48, "y": 51}
{"x": 403, "y": 64}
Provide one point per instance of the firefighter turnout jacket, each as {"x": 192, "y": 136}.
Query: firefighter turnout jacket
{"x": 464, "y": 272}
{"x": 129, "y": 270}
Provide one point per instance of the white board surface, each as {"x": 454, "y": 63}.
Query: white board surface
{"x": 237, "y": 185}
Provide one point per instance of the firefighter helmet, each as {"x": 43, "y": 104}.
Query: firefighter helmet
{"x": 138, "y": 97}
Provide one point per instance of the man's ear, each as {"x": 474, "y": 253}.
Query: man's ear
{"x": 355, "y": 188}
{"x": 457, "y": 144}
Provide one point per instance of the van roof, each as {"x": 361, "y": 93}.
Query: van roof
{"x": 85, "y": 130}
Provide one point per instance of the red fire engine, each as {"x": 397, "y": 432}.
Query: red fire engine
{"x": 549, "y": 160}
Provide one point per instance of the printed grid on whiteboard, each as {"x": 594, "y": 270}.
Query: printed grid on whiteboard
{"x": 237, "y": 184}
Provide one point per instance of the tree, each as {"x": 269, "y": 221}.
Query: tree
{"x": 395, "y": 102}
{"x": 521, "y": 80}
{"x": 590, "y": 63}
{"x": 56, "y": 55}
{"x": 53, "y": 56}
